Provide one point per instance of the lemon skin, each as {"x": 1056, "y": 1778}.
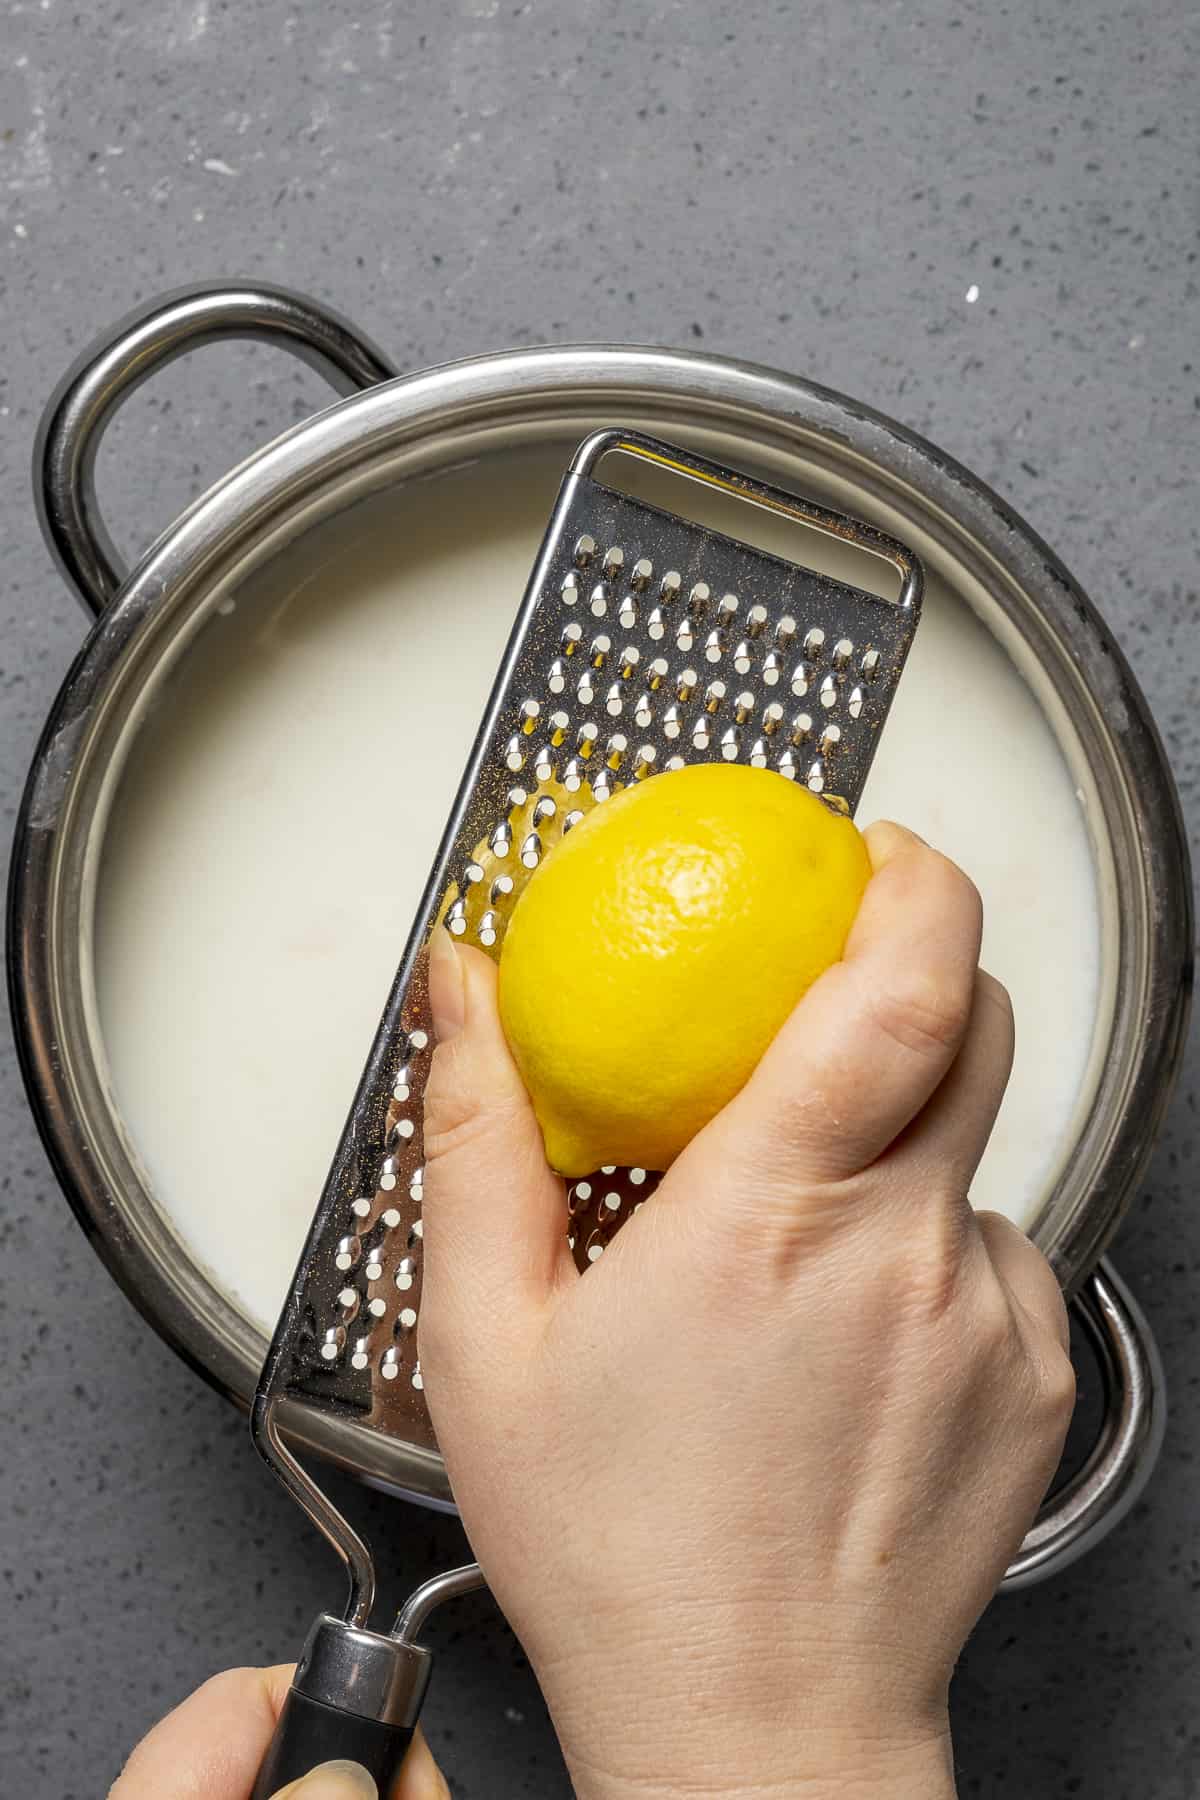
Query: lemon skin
{"x": 656, "y": 952}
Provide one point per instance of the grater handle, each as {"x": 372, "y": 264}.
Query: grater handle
{"x": 310, "y": 1733}
{"x": 355, "y": 1695}
{"x": 108, "y": 371}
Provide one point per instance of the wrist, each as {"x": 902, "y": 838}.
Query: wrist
{"x": 845, "y": 1768}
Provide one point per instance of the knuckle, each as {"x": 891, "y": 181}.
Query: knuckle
{"x": 451, "y": 1130}
{"x": 1056, "y": 1384}
{"x": 228, "y": 1684}
{"x": 997, "y": 1338}
{"x": 943, "y": 889}
{"x": 992, "y": 1006}
{"x": 922, "y": 1010}
{"x": 455, "y": 1115}
{"x": 926, "y": 1278}
{"x": 955, "y": 891}
{"x": 447, "y": 1101}
{"x": 994, "y": 993}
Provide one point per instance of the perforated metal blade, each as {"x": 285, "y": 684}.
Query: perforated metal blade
{"x": 643, "y": 643}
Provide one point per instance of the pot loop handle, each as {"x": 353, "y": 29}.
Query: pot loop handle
{"x": 127, "y": 354}
{"x": 1111, "y": 1480}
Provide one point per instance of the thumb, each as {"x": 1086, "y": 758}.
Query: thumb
{"x": 332, "y": 1781}
{"x": 495, "y": 1215}
{"x": 419, "y": 1779}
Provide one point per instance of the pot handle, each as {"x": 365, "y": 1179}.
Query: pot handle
{"x": 1097, "y": 1498}
{"x": 128, "y": 353}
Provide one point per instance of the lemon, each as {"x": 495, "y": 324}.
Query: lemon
{"x": 659, "y": 947}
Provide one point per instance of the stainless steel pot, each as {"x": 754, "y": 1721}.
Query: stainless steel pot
{"x": 388, "y": 431}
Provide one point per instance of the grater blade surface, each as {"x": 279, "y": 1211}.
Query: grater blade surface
{"x": 643, "y": 643}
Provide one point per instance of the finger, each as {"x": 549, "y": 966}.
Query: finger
{"x": 942, "y": 1148}
{"x": 873, "y": 1038}
{"x": 495, "y": 1231}
{"x": 420, "y": 1778}
{"x": 210, "y": 1747}
{"x": 1028, "y": 1278}
{"x": 336, "y": 1780}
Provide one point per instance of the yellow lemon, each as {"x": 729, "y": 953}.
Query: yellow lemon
{"x": 655, "y": 953}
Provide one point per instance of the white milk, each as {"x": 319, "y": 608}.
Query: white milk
{"x": 270, "y": 841}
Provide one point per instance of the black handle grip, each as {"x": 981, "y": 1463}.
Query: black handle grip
{"x": 310, "y": 1733}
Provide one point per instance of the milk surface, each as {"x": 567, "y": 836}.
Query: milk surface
{"x": 276, "y": 824}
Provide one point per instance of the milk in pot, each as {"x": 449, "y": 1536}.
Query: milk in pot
{"x": 276, "y": 823}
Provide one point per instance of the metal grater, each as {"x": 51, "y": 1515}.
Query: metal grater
{"x": 643, "y": 643}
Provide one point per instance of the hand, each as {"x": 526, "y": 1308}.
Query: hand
{"x": 744, "y": 1488}
{"x": 211, "y": 1748}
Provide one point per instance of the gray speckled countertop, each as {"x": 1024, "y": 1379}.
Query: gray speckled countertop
{"x": 980, "y": 218}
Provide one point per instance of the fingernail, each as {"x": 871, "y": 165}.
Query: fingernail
{"x": 447, "y": 999}
{"x": 338, "y": 1780}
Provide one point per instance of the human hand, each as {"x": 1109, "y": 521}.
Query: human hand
{"x": 211, "y": 1748}
{"x": 744, "y": 1489}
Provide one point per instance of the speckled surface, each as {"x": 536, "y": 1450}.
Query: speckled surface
{"x": 980, "y": 218}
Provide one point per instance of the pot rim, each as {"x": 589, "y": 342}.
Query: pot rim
{"x": 253, "y": 506}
